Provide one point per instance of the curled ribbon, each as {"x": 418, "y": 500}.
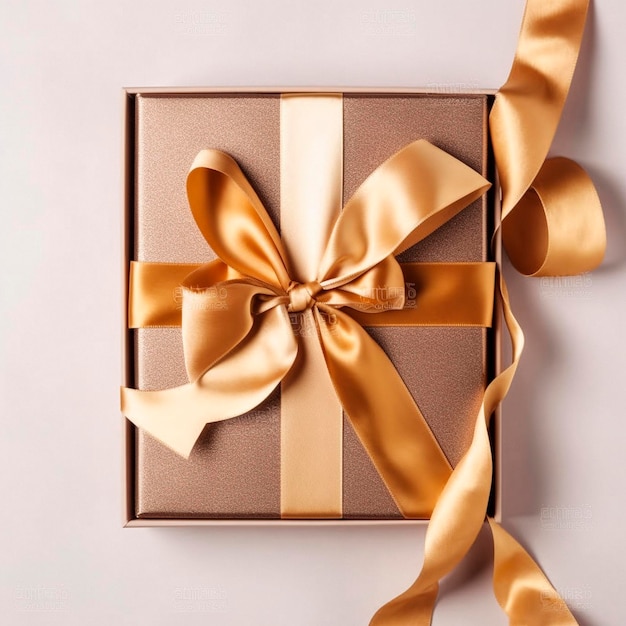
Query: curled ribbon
{"x": 552, "y": 224}
{"x": 237, "y": 335}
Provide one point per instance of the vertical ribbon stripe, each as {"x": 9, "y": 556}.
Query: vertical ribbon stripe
{"x": 311, "y": 180}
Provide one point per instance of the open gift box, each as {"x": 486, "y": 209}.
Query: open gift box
{"x": 255, "y": 466}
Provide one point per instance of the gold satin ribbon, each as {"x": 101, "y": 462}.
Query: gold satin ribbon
{"x": 461, "y": 508}
{"x": 520, "y": 586}
{"x": 237, "y": 335}
{"x": 552, "y": 224}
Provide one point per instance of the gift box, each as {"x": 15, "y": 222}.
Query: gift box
{"x": 240, "y": 469}
{"x": 321, "y": 343}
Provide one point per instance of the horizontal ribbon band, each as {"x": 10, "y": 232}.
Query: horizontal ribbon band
{"x": 436, "y": 294}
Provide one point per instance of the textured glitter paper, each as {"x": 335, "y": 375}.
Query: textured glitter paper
{"x": 233, "y": 471}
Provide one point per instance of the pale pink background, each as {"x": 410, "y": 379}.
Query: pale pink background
{"x": 62, "y": 66}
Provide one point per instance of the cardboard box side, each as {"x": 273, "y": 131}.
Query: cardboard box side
{"x": 178, "y": 522}
{"x": 128, "y": 161}
{"x": 307, "y": 89}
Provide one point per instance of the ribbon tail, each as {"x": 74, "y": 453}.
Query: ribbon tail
{"x": 159, "y": 414}
{"x": 233, "y": 386}
{"x": 384, "y": 415}
{"x": 461, "y": 509}
{"x": 521, "y": 588}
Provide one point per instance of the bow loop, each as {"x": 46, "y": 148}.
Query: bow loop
{"x": 380, "y": 288}
{"x": 408, "y": 197}
{"x": 233, "y": 221}
{"x": 215, "y": 319}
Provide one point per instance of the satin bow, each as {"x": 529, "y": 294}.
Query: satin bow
{"x": 237, "y": 332}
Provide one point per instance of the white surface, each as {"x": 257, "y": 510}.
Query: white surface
{"x": 63, "y": 64}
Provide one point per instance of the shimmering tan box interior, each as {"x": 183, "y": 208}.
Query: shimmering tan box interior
{"x": 233, "y": 472}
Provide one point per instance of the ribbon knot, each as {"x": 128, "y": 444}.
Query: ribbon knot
{"x": 302, "y": 295}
